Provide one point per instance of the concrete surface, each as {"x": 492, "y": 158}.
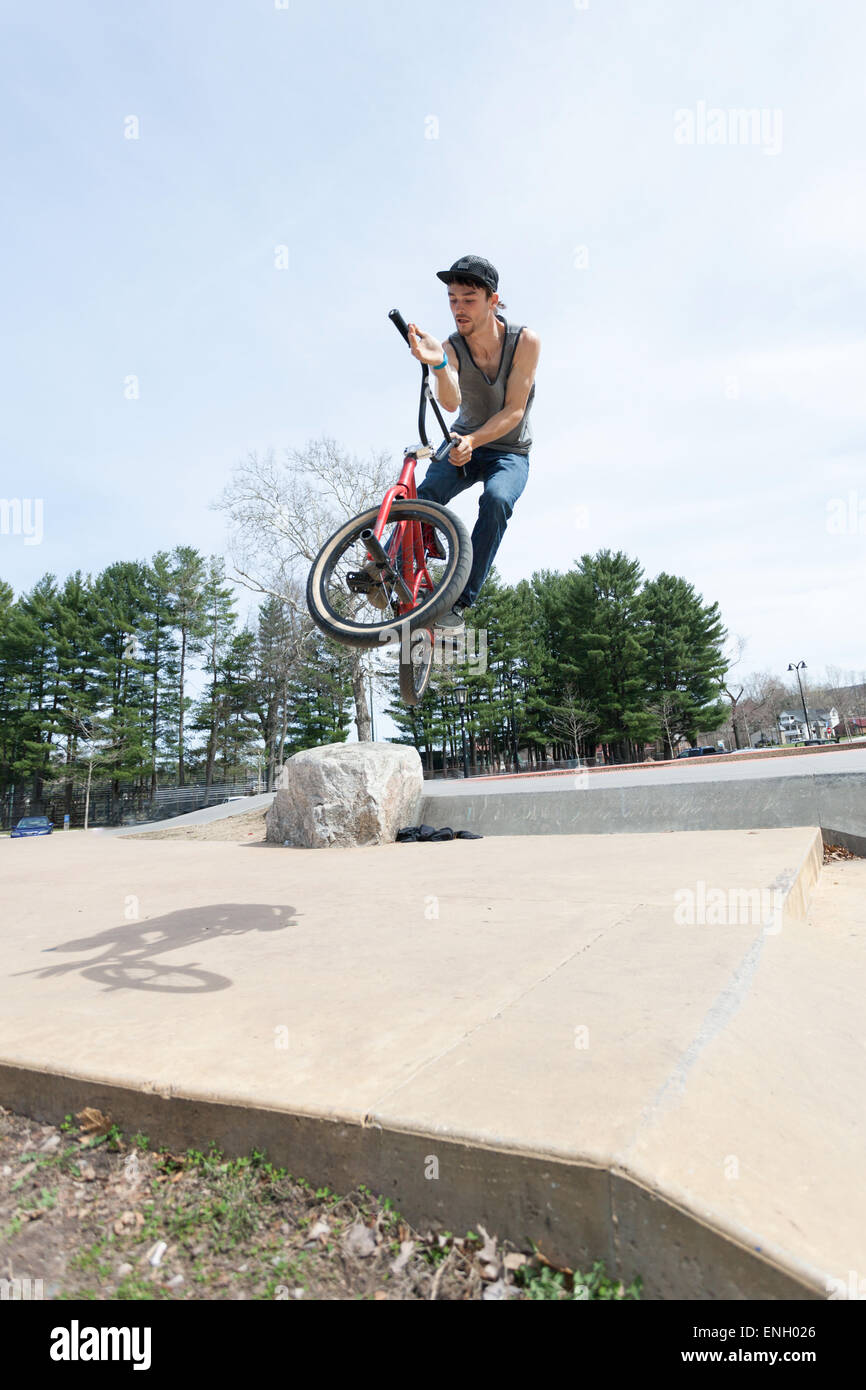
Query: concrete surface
{"x": 680, "y": 1099}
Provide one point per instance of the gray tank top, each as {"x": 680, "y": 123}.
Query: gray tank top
{"x": 482, "y": 398}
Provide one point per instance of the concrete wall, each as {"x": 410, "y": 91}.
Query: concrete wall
{"x": 836, "y": 801}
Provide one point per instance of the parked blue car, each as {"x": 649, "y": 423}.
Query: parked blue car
{"x": 32, "y": 825}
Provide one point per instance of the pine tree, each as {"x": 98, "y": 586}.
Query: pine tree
{"x": 187, "y": 579}
{"x": 604, "y": 652}
{"x": 282, "y": 638}
{"x": 122, "y": 614}
{"x": 10, "y": 693}
{"x": 318, "y": 698}
{"x": 80, "y": 675}
{"x": 684, "y": 664}
{"x": 218, "y": 628}
{"x": 29, "y": 658}
{"x": 159, "y": 655}
{"x": 238, "y": 724}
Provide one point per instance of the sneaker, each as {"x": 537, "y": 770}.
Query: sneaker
{"x": 432, "y": 543}
{"x": 452, "y": 621}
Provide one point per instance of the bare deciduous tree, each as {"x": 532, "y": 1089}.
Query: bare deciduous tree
{"x": 572, "y": 718}
{"x": 282, "y": 513}
{"x": 666, "y": 708}
{"x": 275, "y": 663}
{"x": 733, "y": 656}
{"x": 765, "y": 698}
{"x": 839, "y": 695}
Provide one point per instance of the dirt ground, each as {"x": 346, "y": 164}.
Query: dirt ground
{"x": 97, "y": 1215}
{"x": 249, "y": 825}
{"x": 834, "y": 853}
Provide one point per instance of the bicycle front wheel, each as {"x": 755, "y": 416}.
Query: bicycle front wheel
{"x": 353, "y": 603}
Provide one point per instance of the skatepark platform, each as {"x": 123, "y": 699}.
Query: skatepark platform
{"x": 629, "y": 802}
{"x": 643, "y": 1049}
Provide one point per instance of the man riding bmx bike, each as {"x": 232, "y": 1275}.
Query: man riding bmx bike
{"x": 487, "y": 370}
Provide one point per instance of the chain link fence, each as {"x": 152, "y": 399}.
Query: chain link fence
{"x": 131, "y": 806}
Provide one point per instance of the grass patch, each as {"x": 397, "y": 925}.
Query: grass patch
{"x": 546, "y": 1283}
{"x": 224, "y": 1200}
{"x": 241, "y": 1228}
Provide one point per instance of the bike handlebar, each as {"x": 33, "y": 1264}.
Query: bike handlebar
{"x": 399, "y": 323}
{"x": 402, "y": 327}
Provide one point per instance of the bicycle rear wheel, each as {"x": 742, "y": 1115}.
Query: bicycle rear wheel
{"x": 353, "y": 602}
{"x": 416, "y": 666}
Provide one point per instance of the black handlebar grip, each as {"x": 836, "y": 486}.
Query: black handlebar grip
{"x": 399, "y": 322}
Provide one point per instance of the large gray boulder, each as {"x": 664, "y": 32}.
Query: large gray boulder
{"x": 346, "y": 794}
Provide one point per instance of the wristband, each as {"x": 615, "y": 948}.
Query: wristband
{"x": 443, "y": 363}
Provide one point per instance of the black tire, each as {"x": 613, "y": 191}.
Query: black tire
{"x": 366, "y": 635}
{"x": 416, "y": 670}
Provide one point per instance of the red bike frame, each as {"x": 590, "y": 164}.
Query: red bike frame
{"x": 413, "y": 560}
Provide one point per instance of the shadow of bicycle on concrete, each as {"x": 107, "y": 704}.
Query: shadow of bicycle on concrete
{"x": 127, "y": 955}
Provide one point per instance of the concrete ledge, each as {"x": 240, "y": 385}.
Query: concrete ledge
{"x": 591, "y": 808}
{"x": 575, "y": 1213}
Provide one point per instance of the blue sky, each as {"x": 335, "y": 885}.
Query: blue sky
{"x": 700, "y": 400}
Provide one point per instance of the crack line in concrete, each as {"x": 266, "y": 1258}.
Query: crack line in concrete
{"x": 509, "y": 1004}
{"x": 726, "y": 1004}
{"x": 721, "y": 1011}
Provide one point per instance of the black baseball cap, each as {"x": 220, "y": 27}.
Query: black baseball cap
{"x": 472, "y": 268}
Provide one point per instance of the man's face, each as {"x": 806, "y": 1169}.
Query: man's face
{"x": 471, "y": 307}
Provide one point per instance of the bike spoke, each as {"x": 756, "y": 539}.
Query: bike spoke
{"x": 382, "y": 601}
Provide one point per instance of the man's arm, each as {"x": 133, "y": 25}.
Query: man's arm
{"x": 520, "y": 380}
{"x": 428, "y": 349}
{"x": 448, "y": 380}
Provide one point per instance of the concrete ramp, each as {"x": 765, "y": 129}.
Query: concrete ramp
{"x": 639, "y": 1049}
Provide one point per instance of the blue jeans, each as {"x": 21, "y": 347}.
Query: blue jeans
{"x": 504, "y": 477}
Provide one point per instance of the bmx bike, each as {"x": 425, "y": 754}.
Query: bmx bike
{"x": 367, "y": 593}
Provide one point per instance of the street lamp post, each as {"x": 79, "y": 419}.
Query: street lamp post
{"x": 799, "y": 666}
{"x": 461, "y": 692}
